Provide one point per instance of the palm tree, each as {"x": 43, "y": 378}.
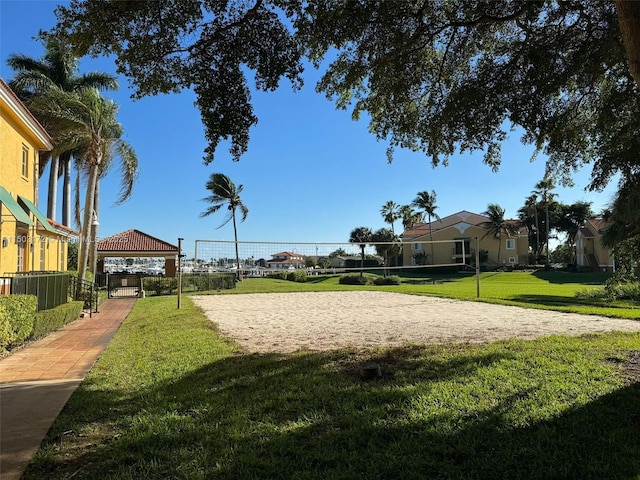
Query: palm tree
{"x": 426, "y": 203}
{"x": 409, "y": 216}
{"x": 224, "y": 192}
{"x": 58, "y": 67}
{"x": 386, "y": 244}
{"x": 572, "y": 218}
{"x": 87, "y": 124}
{"x": 543, "y": 189}
{"x": 361, "y": 236}
{"x": 390, "y": 212}
{"x": 497, "y": 225}
{"x": 529, "y": 215}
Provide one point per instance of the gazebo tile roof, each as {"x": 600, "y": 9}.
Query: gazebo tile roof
{"x": 134, "y": 241}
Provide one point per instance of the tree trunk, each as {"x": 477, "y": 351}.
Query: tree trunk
{"x": 235, "y": 236}
{"x": 94, "y": 231}
{"x": 52, "y": 194}
{"x": 431, "y": 240}
{"x": 66, "y": 193}
{"x": 546, "y": 210}
{"x": 629, "y": 20}
{"x": 85, "y": 240}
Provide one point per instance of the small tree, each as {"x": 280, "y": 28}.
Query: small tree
{"x": 385, "y": 243}
{"x": 361, "y": 236}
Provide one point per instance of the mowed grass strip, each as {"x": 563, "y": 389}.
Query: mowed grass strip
{"x": 170, "y": 398}
{"x": 549, "y": 290}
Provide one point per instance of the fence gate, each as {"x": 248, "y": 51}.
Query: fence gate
{"x": 123, "y": 285}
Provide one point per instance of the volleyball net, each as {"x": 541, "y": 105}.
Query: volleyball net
{"x": 262, "y": 258}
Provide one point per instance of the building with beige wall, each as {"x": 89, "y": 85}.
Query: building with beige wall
{"x": 463, "y": 227}
{"x": 29, "y": 241}
{"x": 589, "y": 249}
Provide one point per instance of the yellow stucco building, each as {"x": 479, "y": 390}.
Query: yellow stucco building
{"x": 454, "y": 242}
{"x": 29, "y": 241}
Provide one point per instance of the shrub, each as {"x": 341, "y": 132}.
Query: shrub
{"x": 279, "y": 274}
{"x": 353, "y": 280}
{"x": 17, "y": 313}
{"x": 47, "y": 321}
{"x": 153, "y": 284}
{"x": 299, "y": 276}
{"x": 210, "y": 281}
{"x": 390, "y": 280}
{"x": 624, "y": 291}
{"x": 160, "y": 285}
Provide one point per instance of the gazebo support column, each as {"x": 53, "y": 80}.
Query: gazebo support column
{"x": 170, "y": 267}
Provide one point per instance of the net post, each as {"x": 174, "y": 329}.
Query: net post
{"x": 180, "y": 273}
{"x": 477, "y": 267}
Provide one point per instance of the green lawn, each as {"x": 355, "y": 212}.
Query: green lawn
{"x": 170, "y": 398}
{"x": 543, "y": 290}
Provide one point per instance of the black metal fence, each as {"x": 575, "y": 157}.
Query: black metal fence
{"x": 86, "y": 291}
{"x": 50, "y": 288}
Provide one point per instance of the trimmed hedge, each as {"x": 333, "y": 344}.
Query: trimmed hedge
{"x": 279, "y": 274}
{"x": 17, "y": 314}
{"x": 297, "y": 275}
{"x": 190, "y": 282}
{"x": 47, "y": 321}
{"x": 353, "y": 280}
{"x": 160, "y": 285}
{"x": 390, "y": 280}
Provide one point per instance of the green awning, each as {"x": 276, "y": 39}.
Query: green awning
{"x": 16, "y": 210}
{"x": 41, "y": 218}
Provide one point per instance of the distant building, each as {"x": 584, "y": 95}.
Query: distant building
{"x": 286, "y": 261}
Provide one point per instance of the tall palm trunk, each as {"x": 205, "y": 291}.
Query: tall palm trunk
{"x": 431, "y": 239}
{"x": 66, "y": 192}
{"x": 535, "y": 212}
{"x": 94, "y": 231}
{"x": 546, "y": 209}
{"x": 85, "y": 240}
{"x": 235, "y": 236}
{"x": 52, "y": 195}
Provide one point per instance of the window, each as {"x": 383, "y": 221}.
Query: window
{"x": 459, "y": 245}
{"x": 25, "y": 161}
{"x": 511, "y": 244}
{"x": 61, "y": 266}
{"x": 512, "y": 260}
{"x": 43, "y": 249}
{"x": 417, "y": 246}
{"x": 21, "y": 241}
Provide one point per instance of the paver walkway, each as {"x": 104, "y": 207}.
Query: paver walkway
{"x": 37, "y": 381}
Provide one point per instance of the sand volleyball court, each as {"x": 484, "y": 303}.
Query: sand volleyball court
{"x": 286, "y": 322}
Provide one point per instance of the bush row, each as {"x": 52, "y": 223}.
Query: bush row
{"x": 47, "y": 321}
{"x": 353, "y": 279}
{"x": 200, "y": 283}
{"x": 299, "y": 276}
{"x": 17, "y": 314}
{"x": 19, "y": 320}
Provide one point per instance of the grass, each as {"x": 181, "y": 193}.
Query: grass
{"x": 171, "y": 398}
{"x": 542, "y": 290}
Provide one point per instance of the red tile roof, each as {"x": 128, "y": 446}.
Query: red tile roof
{"x": 64, "y": 229}
{"x": 134, "y": 241}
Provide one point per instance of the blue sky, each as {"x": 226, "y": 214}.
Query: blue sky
{"x": 311, "y": 173}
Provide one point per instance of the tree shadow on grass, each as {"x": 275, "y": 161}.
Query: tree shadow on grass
{"x": 310, "y": 416}
{"x": 569, "y": 277}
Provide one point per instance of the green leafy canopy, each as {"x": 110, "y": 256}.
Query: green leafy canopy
{"x": 433, "y": 77}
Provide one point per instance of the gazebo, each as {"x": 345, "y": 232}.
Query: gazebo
{"x": 136, "y": 244}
